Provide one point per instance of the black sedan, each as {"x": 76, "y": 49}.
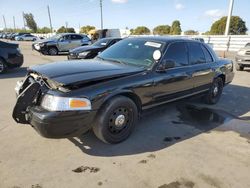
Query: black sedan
{"x": 10, "y": 56}
{"x": 107, "y": 94}
{"x": 91, "y": 51}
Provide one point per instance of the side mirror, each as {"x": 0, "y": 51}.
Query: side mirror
{"x": 166, "y": 64}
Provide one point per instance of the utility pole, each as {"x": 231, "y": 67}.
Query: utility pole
{"x": 5, "y": 27}
{"x": 101, "y": 15}
{"x": 230, "y": 11}
{"x": 66, "y": 24}
{"x": 24, "y": 22}
{"x": 51, "y": 28}
{"x": 14, "y": 22}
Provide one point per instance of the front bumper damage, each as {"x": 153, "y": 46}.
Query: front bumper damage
{"x": 48, "y": 124}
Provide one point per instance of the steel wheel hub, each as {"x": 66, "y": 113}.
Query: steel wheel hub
{"x": 120, "y": 120}
{"x": 216, "y": 90}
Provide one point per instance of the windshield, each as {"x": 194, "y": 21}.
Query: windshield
{"x": 101, "y": 42}
{"x": 138, "y": 52}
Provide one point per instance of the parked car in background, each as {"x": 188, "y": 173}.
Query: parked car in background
{"x": 66, "y": 99}
{"x": 91, "y": 51}
{"x": 61, "y": 43}
{"x": 17, "y": 35}
{"x": 10, "y": 56}
{"x": 26, "y": 37}
{"x": 242, "y": 58}
{"x": 199, "y": 39}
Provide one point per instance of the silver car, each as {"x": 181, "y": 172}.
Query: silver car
{"x": 26, "y": 37}
{"x": 61, "y": 43}
{"x": 242, "y": 58}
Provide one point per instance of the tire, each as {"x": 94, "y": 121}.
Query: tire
{"x": 116, "y": 120}
{"x": 20, "y": 39}
{"x": 3, "y": 66}
{"x": 239, "y": 67}
{"x": 52, "y": 51}
{"x": 214, "y": 94}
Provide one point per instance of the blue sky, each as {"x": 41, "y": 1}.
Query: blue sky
{"x": 193, "y": 14}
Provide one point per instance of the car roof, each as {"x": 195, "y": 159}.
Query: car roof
{"x": 166, "y": 39}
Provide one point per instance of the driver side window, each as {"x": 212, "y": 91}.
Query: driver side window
{"x": 65, "y": 38}
{"x": 177, "y": 52}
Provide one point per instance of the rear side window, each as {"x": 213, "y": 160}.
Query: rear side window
{"x": 177, "y": 52}
{"x": 76, "y": 37}
{"x": 196, "y": 55}
{"x": 208, "y": 56}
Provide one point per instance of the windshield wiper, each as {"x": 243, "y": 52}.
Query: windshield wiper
{"x": 113, "y": 60}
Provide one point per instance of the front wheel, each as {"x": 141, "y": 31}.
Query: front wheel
{"x": 52, "y": 51}
{"x": 116, "y": 120}
{"x": 214, "y": 94}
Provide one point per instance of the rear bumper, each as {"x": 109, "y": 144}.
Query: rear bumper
{"x": 60, "y": 124}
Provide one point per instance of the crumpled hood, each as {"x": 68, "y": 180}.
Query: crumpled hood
{"x": 84, "y": 49}
{"x": 83, "y": 71}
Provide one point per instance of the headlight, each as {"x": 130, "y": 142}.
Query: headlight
{"x": 241, "y": 52}
{"x": 84, "y": 53}
{"x": 55, "y": 103}
{"x": 41, "y": 44}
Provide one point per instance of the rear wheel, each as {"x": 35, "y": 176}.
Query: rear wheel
{"x": 2, "y": 66}
{"x": 239, "y": 67}
{"x": 214, "y": 94}
{"x": 52, "y": 51}
{"x": 116, "y": 120}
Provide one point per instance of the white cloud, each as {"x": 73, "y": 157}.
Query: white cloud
{"x": 119, "y": 1}
{"x": 179, "y": 6}
{"x": 214, "y": 13}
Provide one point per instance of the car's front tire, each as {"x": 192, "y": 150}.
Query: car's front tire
{"x": 239, "y": 67}
{"x": 215, "y": 91}
{"x": 3, "y": 66}
{"x": 116, "y": 120}
{"x": 52, "y": 51}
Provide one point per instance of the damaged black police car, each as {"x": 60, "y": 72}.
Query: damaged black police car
{"x": 107, "y": 94}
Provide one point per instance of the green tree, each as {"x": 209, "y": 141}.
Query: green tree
{"x": 44, "y": 30}
{"x": 176, "y": 28}
{"x": 30, "y": 21}
{"x": 66, "y": 30}
{"x": 141, "y": 30}
{"x": 237, "y": 26}
{"x": 206, "y": 33}
{"x": 86, "y": 29}
{"x": 162, "y": 30}
{"x": 191, "y": 32}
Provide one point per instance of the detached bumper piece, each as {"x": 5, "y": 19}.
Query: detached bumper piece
{"x": 27, "y": 94}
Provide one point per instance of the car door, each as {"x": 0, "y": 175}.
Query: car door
{"x": 202, "y": 73}
{"x": 76, "y": 41}
{"x": 64, "y": 43}
{"x": 175, "y": 82}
